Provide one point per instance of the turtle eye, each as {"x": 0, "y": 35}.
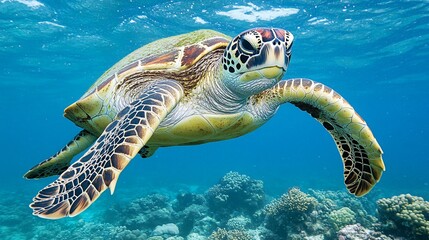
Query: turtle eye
{"x": 249, "y": 43}
{"x": 246, "y": 46}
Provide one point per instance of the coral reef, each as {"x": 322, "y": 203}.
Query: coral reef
{"x": 166, "y": 238}
{"x": 185, "y": 200}
{"x": 342, "y": 217}
{"x": 236, "y": 192}
{"x": 404, "y": 215}
{"x": 363, "y": 208}
{"x": 227, "y": 212}
{"x": 223, "y": 234}
{"x": 195, "y": 236}
{"x": 205, "y": 226}
{"x": 238, "y": 223}
{"x": 191, "y": 210}
{"x": 190, "y": 218}
{"x": 293, "y": 204}
{"x": 144, "y": 213}
{"x": 289, "y": 212}
{"x": 357, "y": 232}
{"x": 166, "y": 229}
{"x": 87, "y": 230}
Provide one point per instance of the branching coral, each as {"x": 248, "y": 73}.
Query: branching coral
{"x": 405, "y": 215}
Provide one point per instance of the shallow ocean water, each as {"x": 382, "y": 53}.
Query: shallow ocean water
{"x": 374, "y": 54}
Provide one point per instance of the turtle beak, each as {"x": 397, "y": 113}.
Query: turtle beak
{"x": 276, "y": 62}
{"x": 278, "y": 57}
{"x": 273, "y": 72}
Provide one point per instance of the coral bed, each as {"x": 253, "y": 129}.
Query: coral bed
{"x": 404, "y": 215}
{"x": 236, "y": 208}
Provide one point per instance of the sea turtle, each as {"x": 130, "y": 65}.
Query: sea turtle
{"x": 188, "y": 89}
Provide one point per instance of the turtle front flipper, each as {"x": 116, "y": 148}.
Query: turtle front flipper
{"x": 147, "y": 151}
{"x": 99, "y": 168}
{"x": 361, "y": 154}
{"x": 59, "y": 162}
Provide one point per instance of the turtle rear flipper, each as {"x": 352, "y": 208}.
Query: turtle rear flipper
{"x": 360, "y": 151}
{"x": 83, "y": 182}
{"x": 59, "y": 162}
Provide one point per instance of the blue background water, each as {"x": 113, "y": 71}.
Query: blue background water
{"x": 374, "y": 54}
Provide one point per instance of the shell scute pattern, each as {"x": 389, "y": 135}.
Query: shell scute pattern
{"x": 191, "y": 53}
{"x": 163, "y": 52}
{"x": 96, "y": 108}
{"x": 128, "y": 67}
{"x": 166, "y": 60}
{"x": 178, "y": 58}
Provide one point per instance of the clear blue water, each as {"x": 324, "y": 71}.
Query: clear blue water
{"x": 375, "y": 54}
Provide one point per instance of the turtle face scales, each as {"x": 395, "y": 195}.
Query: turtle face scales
{"x": 256, "y": 59}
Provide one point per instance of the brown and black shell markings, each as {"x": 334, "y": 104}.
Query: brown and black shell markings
{"x": 182, "y": 58}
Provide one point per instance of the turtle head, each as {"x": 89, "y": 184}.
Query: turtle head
{"x": 256, "y": 59}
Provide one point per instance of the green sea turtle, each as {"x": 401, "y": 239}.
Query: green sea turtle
{"x": 191, "y": 89}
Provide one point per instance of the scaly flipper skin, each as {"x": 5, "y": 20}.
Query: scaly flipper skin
{"x": 83, "y": 182}
{"x": 361, "y": 154}
{"x": 59, "y": 162}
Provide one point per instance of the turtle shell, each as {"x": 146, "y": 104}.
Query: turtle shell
{"x": 93, "y": 111}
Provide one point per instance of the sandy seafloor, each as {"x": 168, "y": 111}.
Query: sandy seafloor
{"x": 375, "y": 54}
